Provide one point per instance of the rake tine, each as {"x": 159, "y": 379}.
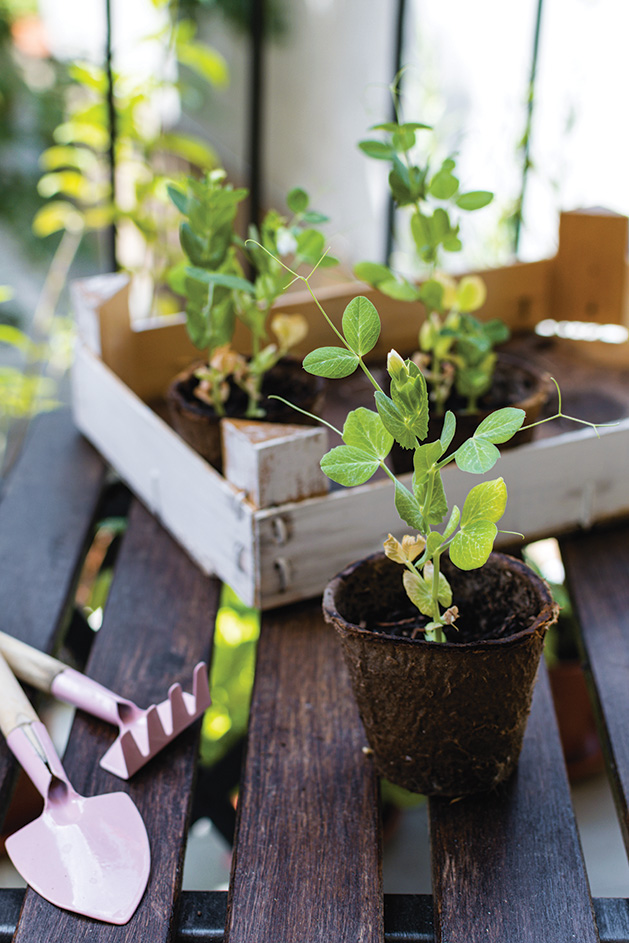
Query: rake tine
{"x": 180, "y": 715}
{"x": 201, "y": 688}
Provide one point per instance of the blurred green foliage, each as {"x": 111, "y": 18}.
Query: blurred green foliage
{"x": 231, "y": 679}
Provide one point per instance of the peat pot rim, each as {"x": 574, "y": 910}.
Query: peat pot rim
{"x": 546, "y": 616}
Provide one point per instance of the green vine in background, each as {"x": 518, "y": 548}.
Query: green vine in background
{"x": 76, "y": 183}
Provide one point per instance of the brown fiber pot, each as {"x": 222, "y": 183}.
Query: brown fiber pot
{"x": 199, "y": 425}
{"x": 443, "y": 719}
{"x": 516, "y": 383}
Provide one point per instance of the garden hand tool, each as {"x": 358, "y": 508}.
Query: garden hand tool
{"x": 90, "y": 856}
{"x": 143, "y": 733}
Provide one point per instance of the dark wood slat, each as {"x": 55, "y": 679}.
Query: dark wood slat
{"x": 508, "y": 865}
{"x": 307, "y": 861}
{"x": 597, "y": 574}
{"x": 46, "y": 515}
{"x": 158, "y": 623}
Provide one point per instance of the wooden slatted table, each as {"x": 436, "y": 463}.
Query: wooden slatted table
{"x": 307, "y": 864}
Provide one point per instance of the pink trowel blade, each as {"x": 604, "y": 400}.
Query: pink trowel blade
{"x": 87, "y": 855}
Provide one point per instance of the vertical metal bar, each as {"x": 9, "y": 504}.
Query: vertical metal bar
{"x": 256, "y": 111}
{"x": 111, "y": 120}
{"x": 397, "y": 66}
{"x": 526, "y": 138}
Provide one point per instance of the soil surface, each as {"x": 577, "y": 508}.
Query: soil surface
{"x": 287, "y": 379}
{"x": 493, "y": 602}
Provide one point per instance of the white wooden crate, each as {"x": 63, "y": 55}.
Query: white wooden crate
{"x": 276, "y": 555}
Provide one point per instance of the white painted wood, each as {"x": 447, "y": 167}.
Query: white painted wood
{"x": 272, "y": 462}
{"x": 276, "y": 555}
{"x": 206, "y": 514}
{"x": 554, "y": 485}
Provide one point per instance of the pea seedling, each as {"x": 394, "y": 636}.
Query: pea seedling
{"x": 402, "y": 416}
{"x": 456, "y": 348}
{"x": 218, "y": 293}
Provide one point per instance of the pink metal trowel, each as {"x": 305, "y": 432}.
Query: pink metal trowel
{"x": 90, "y": 856}
{"x": 143, "y": 733}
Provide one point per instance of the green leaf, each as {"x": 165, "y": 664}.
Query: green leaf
{"x": 394, "y": 421}
{"x": 474, "y": 200}
{"x": 372, "y": 272}
{"x": 452, "y": 243}
{"x": 443, "y": 185}
{"x": 399, "y": 291}
{"x": 431, "y": 293}
{"x": 348, "y": 466}
{"x": 501, "y": 425}
{"x": 377, "y": 149}
{"x": 470, "y": 548}
{"x": 331, "y": 362}
{"x": 424, "y": 458}
{"x": 477, "y": 455}
{"x": 420, "y": 231}
{"x": 221, "y": 279}
{"x": 407, "y": 507}
{"x": 418, "y": 592}
{"x": 409, "y": 393}
{"x": 433, "y": 543}
{"x": 486, "y": 501}
{"x": 436, "y": 510}
{"x": 189, "y": 148}
{"x": 447, "y": 431}
{"x": 364, "y": 430}
{"x": 361, "y": 325}
{"x": 297, "y": 200}
{"x": 57, "y": 215}
{"x": 310, "y": 245}
{"x": 205, "y": 61}
{"x": 453, "y": 523}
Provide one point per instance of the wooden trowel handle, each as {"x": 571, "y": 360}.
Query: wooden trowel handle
{"x": 15, "y": 707}
{"x": 30, "y": 664}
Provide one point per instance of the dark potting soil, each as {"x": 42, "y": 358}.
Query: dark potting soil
{"x": 493, "y": 603}
{"x": 511, "y": 383}
{"x": 286, "y": 379}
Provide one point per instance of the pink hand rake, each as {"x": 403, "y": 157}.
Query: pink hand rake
{"x": 143, "y": 733}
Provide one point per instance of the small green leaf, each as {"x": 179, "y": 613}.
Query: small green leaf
{"x": 418, "y": 592}
{"x": 361, "y": 325}
{"x": 399, "y": 291}
{"x": 394, "y": 421}
{"x": 310, "y": 245}
{"x": 221, "y": 279}
{"x": 372, "y": 272}
{"x": 443, "y": 185}
{"x": 477, "y": 455}
{"x": 348, "y": 466}
{"x": 364, "y": 430}
{"x": 453, "y": 523}
{"x": 434, "y": 541}
{"x": 486, "y": 501}
{"x": 431, "y": 293}
{"x": 377, "y": 149}
{"x": 470, "y": 548}
{"x": 501, "y": 425}
{"x": 424, "y": 458}
{"x": 474, "y": 200}
{"x": 407, "y": 507}
{"x": 331, "y": 362}
{"x": 447, "y": 431}
{"x": 297, "y": 200}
